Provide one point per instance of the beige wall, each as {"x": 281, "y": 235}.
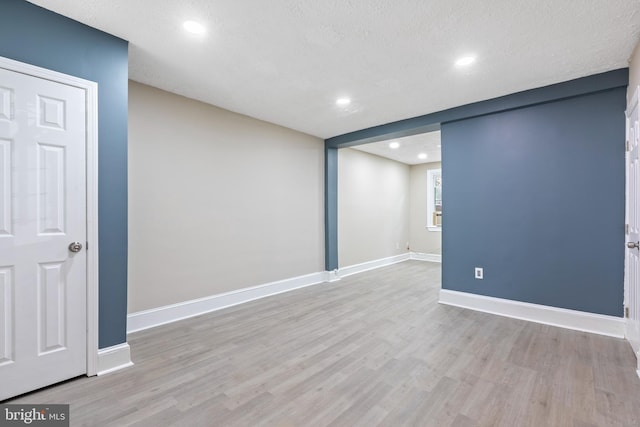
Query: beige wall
{"x": 217, "y": 201}
{"x": 420, "y": 238}
{"x": 373, "y": 207}
{"x": 634, "y": 71}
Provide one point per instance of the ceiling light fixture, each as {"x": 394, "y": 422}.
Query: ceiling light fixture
{"x": 465, "y": 60}
{"x": 343, "y": 101}
{"x": 394, "y": 145}
{"x": 194, "y": 27}
{"x": 422, "y": 156}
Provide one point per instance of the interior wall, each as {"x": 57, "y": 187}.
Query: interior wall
{"x": 420, "y": 238}
{"x": 217, "y": 201}
{"x": 634, "y": 71}
{"x": 535, "y": 196}
{"x": 373, "y": 207}
{"x": 36, "y": 36}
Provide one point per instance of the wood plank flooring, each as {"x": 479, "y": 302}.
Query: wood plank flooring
{"x": 374, "y": 349}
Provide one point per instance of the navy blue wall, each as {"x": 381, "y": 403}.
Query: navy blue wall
{"x": 535, "y": 196}
{"x": 36, "y": 36}
{"x": 534, "y": 192}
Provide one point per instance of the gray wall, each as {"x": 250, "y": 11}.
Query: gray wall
{"x": 39, "y": 37}
{"x": 382, "y": 206}
{"x": 420, "y": 238}
{"x": 373, "y": 207}
{"x": 535, "y": 196}
{"x": 217, "y": 201}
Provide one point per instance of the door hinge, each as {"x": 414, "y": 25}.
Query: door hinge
{"x": 627, "y": 144}
{"x": 626, "y": 312}
{"x": 87, "y": 243}
{"x": 626, "y": 228}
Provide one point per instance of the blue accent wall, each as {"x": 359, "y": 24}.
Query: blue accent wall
{"x": 534, "y": 192}
{"x": 39, "y": 37}
{"x": 535, "y": 196}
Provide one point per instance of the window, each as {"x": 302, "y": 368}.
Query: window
{"x": 434, "y": 200}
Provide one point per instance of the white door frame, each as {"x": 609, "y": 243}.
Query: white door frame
{"x": 630, "y": 307}
{"x": 91, "y": 92}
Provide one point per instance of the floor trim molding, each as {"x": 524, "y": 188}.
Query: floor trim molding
{"x": 171, "y": 313}
{"x": 114, "y": 358}
{"x": 419, "y": 256}
{"x": 564, "y": 318}
{"x": 332, "y": 276}
{"x": 371, "y": 265}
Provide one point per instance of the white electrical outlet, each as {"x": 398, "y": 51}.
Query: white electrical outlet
{"x": 479, "y": 273}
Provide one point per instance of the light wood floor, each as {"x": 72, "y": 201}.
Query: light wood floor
{"x": 373, "y": 349}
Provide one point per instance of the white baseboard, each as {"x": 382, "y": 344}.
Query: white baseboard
{"x": 332, "y": 276}
{"x": 370, "y": 265}
{"x": 418, "y": 256}
{"x": 114, "y": 358}
{"x": 564, "y": 318}
{"x": 174, "y": 312}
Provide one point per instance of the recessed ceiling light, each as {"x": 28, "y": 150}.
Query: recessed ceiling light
{"x": 422, "y": 156}
{"x": 343, "y": 101}
{"x": 394, "y": 145}
{"x": 194, "y": 27}
{"x": 465, "y": 60}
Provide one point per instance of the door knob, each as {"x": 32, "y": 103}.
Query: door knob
{"x": 75, "y": 246}
{"x": 633, "y": 245}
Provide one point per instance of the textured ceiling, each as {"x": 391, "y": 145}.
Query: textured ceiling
{"x": 409, "y": 148}
{"x": 286, "y": 61}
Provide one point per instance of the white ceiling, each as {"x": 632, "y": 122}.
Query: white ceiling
{"x": 409, "y": 148}
{"x": 286, "y": 61}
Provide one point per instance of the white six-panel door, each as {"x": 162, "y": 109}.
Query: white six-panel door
{"x": 632, "y": 264}
{"x": 42, "y": 210}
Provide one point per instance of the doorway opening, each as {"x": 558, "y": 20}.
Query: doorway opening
{"x": 390, "y": 202}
